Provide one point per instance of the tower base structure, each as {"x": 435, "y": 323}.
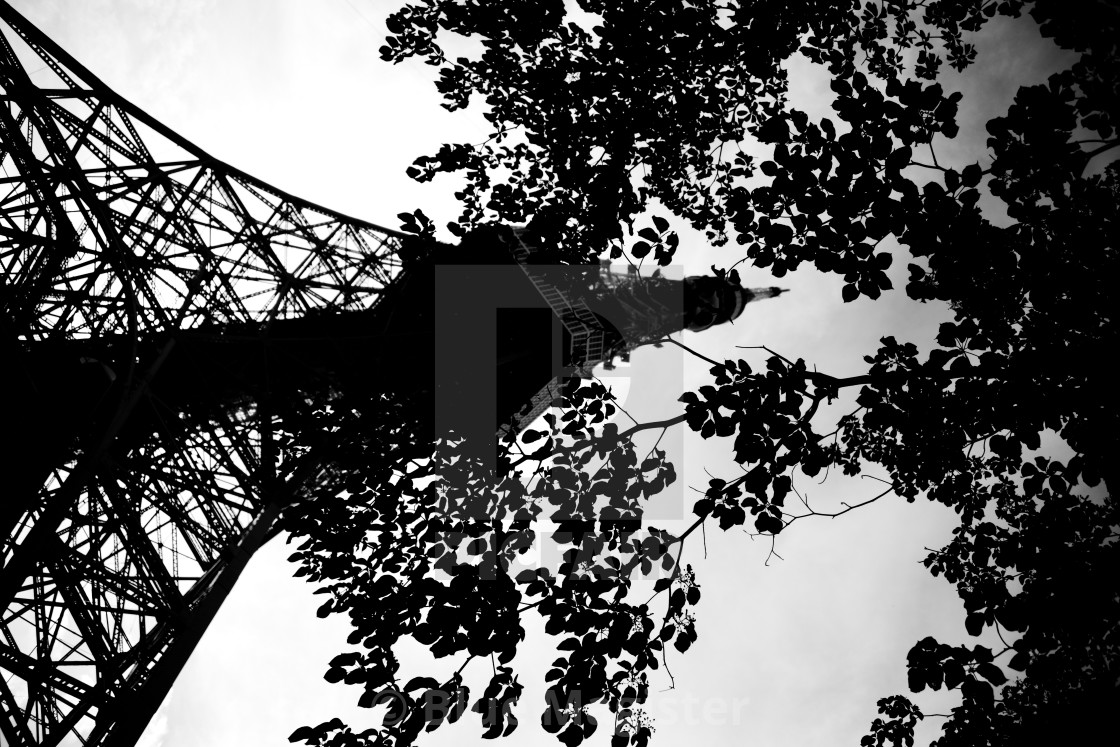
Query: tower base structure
{"x": 119, "y": 543}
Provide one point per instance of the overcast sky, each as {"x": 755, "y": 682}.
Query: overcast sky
{"x": 793, "y": 653}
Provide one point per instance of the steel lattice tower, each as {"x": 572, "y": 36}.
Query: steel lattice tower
{"x": 135, "y": 491}
{"x": 112, "y": 225}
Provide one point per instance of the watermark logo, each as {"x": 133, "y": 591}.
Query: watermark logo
{"x": 505, "y": 333}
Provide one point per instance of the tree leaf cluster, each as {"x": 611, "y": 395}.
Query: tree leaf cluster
{"x": 665, "y": 105}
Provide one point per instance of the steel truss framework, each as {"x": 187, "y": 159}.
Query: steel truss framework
{"x": 113, "y": 225}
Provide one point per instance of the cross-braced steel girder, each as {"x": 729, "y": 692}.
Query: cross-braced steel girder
{"x": 113, "y": 226}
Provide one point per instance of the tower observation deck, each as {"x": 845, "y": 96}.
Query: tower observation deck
{"x": 164, "y": 317}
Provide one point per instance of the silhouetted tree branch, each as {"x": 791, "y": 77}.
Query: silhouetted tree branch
{"x": 671, "y": 104}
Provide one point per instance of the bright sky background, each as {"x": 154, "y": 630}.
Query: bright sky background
{"x": 793, "y": 653}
